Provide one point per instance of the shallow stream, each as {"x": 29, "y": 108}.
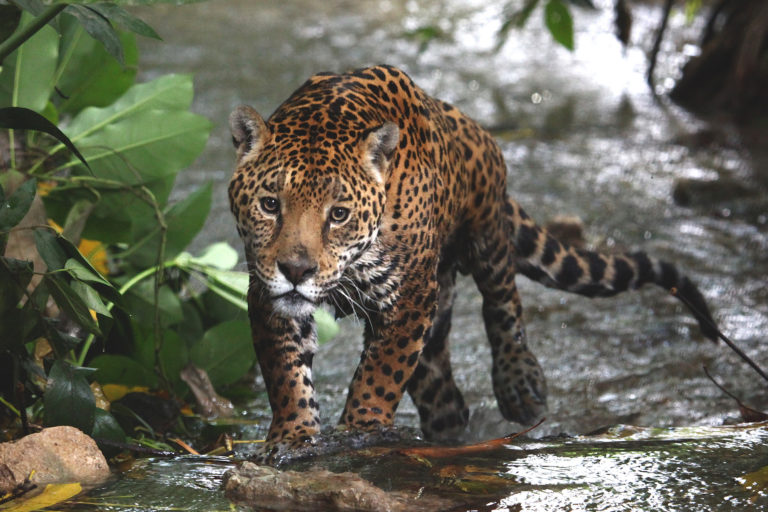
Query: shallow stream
{"x": 583, "y": 137}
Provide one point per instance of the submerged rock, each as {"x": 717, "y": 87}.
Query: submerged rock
{"x": 264, "y": 487}
{"x": 56, "y": 454}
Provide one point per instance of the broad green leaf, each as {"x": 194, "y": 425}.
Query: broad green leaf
{"x": 123, "y": 18}
{"x": 184, "y": 220}
{"x": 68, "y": 398}
{"x": 70, "y": 303}
{"x": 15, "y": 207}
{"x": 50, "y": 249}
{"x": 26, "y": 79}
{"x": 558, "y": 19}
{"x": 105, "y": 426}
{"x": 89, "y": 76}
{"x": 140, "y": 301}
{"x": 327, "y": 328}
{"x": 225, "y": 352}
{"x": 118, "y": 369}
{"x": 229, "y": 285}
{"x": 20, "y": 118}
{"x": 99, "y": 28}
{"x": 168, "y": 92}
{"x": 173, "y": 354}
{"x": 149, "y": 147}
{"x": 145, "y": 137}
{"x": 220, "y": 255}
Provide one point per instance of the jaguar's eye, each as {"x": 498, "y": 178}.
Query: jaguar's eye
{"x": 339, "y": 214}
{"x": 270, "y": 205}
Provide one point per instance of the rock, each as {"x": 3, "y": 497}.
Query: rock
{"x": 267, "y": 488}
{"x": 56, "y": 454}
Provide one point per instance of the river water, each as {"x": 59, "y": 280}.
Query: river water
{"x": 582, "y": 136}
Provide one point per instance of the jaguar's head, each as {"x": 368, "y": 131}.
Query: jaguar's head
{"x": 308, "y": 197}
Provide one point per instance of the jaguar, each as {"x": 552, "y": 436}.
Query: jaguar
{"x": 363, "y": 192}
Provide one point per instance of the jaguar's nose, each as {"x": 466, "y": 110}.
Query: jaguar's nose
{"x": 297, "y": 271}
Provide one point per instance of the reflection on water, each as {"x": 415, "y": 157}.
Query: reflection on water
{"x": 594, "y": 144}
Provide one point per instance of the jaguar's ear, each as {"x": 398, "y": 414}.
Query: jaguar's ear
{"x": 378, "y": 148}
{"x": 248, "y": 130}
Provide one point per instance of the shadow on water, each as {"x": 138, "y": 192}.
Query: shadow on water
{"x": 582, "y": 136}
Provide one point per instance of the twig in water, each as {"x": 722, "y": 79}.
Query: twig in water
{"x": 452, "y": 451}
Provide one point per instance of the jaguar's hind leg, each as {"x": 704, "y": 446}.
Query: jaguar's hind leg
{"x": 442, "y": 412}
{"x": 518, "y": 380}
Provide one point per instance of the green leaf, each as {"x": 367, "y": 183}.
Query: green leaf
{"x": 139, "y": 300}
{"x": 99, "y": 28}
{"x": 20, "y": 118}
{"x": 184, "y": 220}
{"x": 558, "y": 20}
{"x": 26, "y": 79}
{"x": 123, "y": 18}
{"x": 105, "y": 426}
{"x": 145, "y": 137}
{"x": 84, "y": 273}
{"x": 225, "y": 352}
{"x": 91, "y": 298}
{"x": 220, "y": 255}
{"x": 229, "y": 285}
{"x": 173, "y": 354}
{"x": 68, "y": 398}
{"x": 14, "y": 278}
{"x": 327, "y": 328}
{"x": 71, "y": 303}
{"x": 89, "y": 76}
{"x": 34, "y": 6}
{"x": 14, "y": 208}
{"x": 118, "y": 369}
{"x": 50, "y": 249}
{"x": 78, "y": 265}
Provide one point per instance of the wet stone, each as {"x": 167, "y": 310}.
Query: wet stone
{"x": 56, "y": 454}
{"x": 317, "y": 489}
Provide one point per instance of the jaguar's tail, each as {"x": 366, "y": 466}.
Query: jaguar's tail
{"x": 546, "y": 260}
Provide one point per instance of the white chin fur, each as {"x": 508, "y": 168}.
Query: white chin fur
{"x": 293, "y": 307}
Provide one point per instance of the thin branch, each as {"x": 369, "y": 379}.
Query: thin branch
{"x": 657, "y": 44}
{"x": 453, "y": 451}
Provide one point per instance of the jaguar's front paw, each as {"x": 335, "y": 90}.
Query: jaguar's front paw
{"x": 277, "y": 452}
{"x": 521, "y": 392}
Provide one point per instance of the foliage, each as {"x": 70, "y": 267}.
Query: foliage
{"x": 102, "y": 154}
{"x": 557, "y": 19}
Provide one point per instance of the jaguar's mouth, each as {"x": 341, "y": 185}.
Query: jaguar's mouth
{"x": 294, "y": 304}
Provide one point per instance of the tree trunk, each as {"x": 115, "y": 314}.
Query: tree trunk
{"x": 731, "y": 73}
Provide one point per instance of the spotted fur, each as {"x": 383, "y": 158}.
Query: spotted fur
{"x": 364, "y": 192}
